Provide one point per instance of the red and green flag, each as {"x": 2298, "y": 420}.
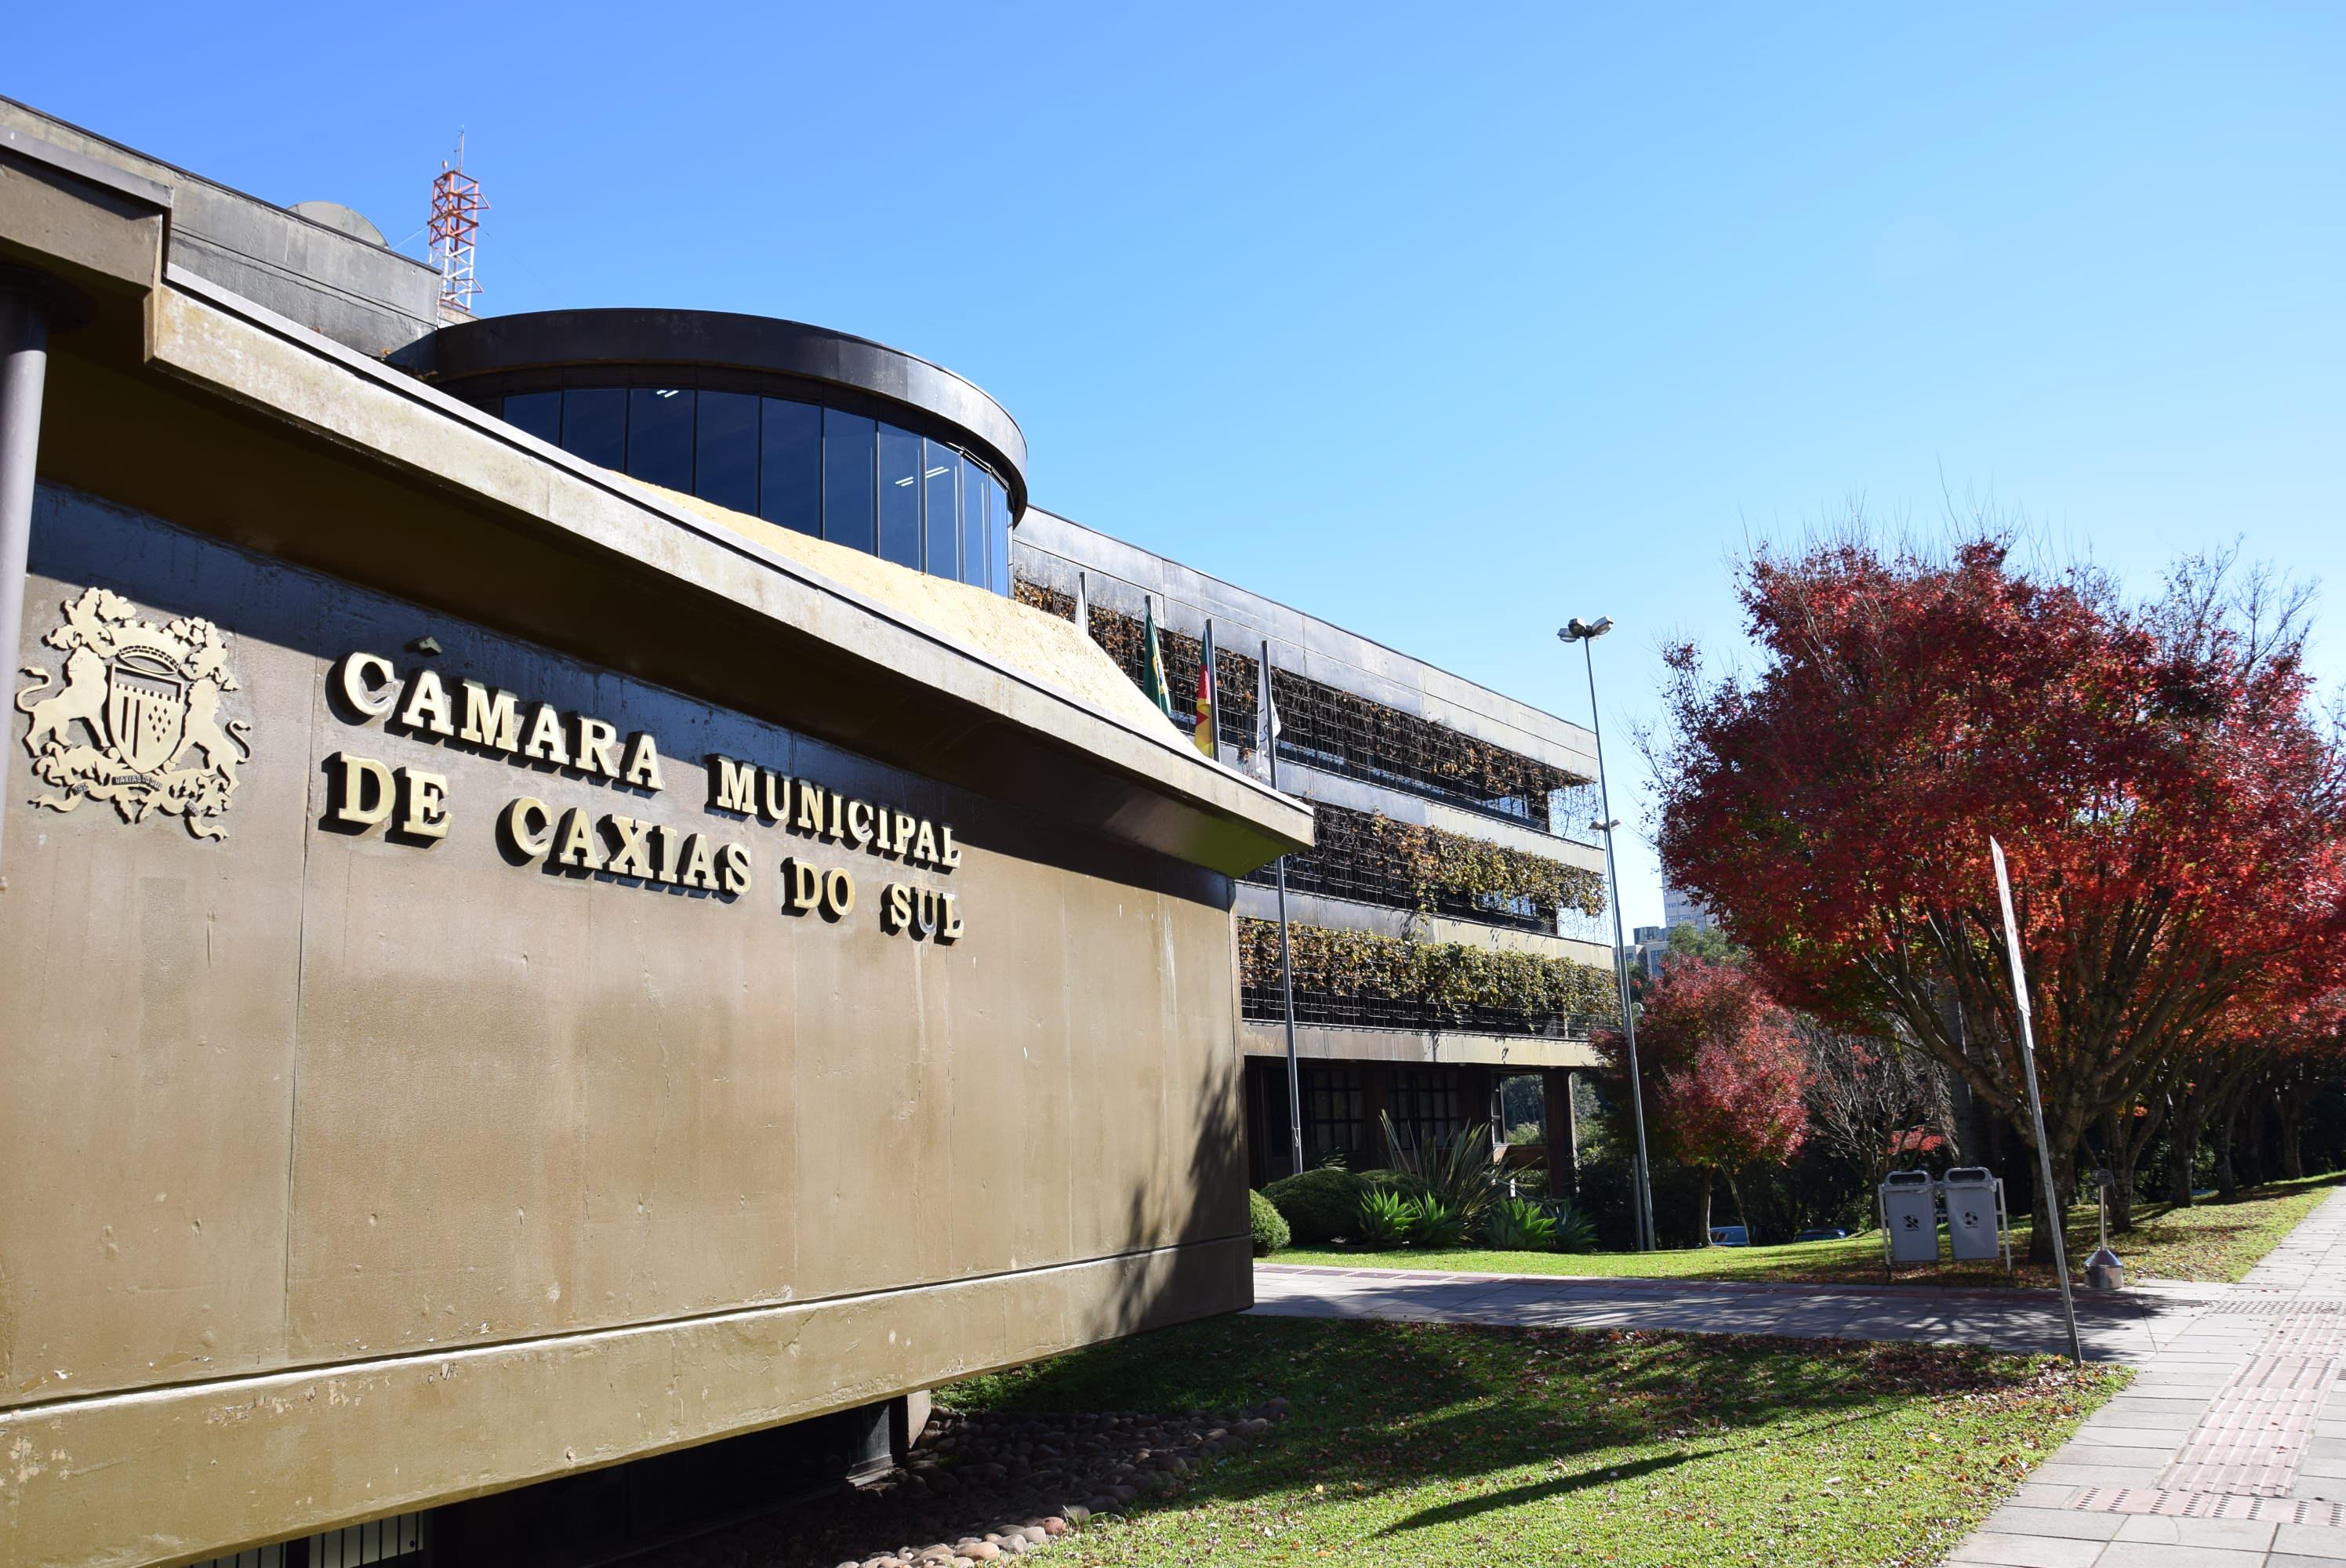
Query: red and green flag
{"x": 1203, "y": 732}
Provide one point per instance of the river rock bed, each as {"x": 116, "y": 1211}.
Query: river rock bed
{"x": 981, "y": 1488}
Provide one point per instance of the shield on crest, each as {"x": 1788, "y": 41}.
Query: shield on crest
{"x": 146, "y": 708}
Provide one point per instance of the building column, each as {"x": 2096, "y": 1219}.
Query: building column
{"x": 26, "y": 308}
{"x": 1563, "y": 1132}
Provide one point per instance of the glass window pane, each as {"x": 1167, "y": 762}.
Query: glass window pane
{"x": 974, "y": 482}
{"x": 595, "y": 425}
{"x": 940, "y": 473}
{"x": 790, "y": 479}
{"x": 847, "y": 485}
{"x": 540, "y": 413}
{"x": 900, "y": 496}
{"x": 659, "y": 435}
{"x": 997, "y": 539}
{"x": 725, "y": 450}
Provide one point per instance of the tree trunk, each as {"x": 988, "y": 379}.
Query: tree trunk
{"x": 2120, "y": 1152}
{"x": 1735, "y": 1191}
{"x": 2183, "y": 1152}
{"x": 1705, "y": 1209}
{"x": 2291, "y": 1111}
{"x": 2051, "y": 1207}
{"x": 2228, "y": 1180}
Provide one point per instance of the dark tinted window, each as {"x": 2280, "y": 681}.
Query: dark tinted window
{"x": 939, "y": 470}
{"x": 540, "y": 413}
{"x": 976, "y": 505}
{"x": 847, "y": 488}
{"x": 900, "y": 496}
{"x": 595, "y": 425}
{"x": 973, "y": 523}
{"x": 998, "y": 537}
{"x": 790, "y": 476}
{"x": 725, "y": 450}
{"x": 659, "y": 435}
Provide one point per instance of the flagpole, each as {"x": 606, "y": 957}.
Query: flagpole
{"x": 2037, "y": 1105}
{"x": 1267, "y": 723}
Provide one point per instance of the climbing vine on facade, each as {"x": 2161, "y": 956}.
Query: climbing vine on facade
{"x": 1361, "y": 977}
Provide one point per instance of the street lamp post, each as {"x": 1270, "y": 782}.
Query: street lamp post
{"x": 1584, "y": 632}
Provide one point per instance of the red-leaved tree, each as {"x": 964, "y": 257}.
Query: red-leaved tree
{"x": 2170, "y": 805}
{"x": 1723, "y": 1071}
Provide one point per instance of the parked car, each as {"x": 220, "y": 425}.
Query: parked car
{"x": 1823, "y": 1233}
{"x": 1730, "y": 1235}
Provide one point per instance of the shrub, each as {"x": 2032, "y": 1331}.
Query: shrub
{"x": 1319, "y": 1205}
{"x": 1519, "y": 1224}
{"x": 1269, "y": 1230}
{"x": 1387, "y": 1219}
{"x": 1572, "y": 1230}
{"x": 1435, "y": 1226}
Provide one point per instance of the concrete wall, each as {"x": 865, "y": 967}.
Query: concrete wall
{"x": 389, "y": 1172}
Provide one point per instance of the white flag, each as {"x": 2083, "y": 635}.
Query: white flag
{"x": 1266, "y": 726}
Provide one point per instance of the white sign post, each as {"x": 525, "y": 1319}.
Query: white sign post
{"x": 2035, "y": 1104}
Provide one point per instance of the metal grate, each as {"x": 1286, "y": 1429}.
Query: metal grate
{"x": 1326, "y": 727}
{"x": 403, "y": 1539}
{"x": 2170, "y": 1504}
{"x": 1347, "y": 861}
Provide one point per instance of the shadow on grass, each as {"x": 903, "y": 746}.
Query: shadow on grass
{"x": 1387, "y": 1407}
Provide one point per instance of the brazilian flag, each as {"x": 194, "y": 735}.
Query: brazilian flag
{"x": 1159, "y": 690}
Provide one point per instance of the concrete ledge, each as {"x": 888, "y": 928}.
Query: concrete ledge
{"x": 1320, "y": 1042}
{"x": 213, "y": 1468}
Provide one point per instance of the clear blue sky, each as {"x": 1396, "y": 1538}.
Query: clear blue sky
{"x": 1445, "y": 324}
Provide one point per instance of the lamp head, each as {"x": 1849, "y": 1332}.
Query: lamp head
{"x": 1580, "y": 630}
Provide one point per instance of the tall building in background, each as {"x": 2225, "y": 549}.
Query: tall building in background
{"x": 1684, "y": 909}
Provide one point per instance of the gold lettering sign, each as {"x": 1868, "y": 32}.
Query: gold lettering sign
{"x": 413, "y": 806}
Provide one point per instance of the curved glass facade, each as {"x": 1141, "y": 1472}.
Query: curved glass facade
{"x": 845, "y": 478}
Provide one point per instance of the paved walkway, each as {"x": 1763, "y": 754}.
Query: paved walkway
{"x": 2227, "y": 1451}
{"x": 2131, "y": 1327}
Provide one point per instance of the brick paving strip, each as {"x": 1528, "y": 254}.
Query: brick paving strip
{"x": 2227, "y": 1451}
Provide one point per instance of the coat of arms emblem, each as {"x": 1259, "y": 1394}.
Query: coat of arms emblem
{"x": 136, "y": 718}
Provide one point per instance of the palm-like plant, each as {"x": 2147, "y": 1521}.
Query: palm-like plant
{"x": 1519, "y": 1224}
{"x": 1460, "y": 1171}
{"x": 1435, "y": 1226}
{"x": 1387, "y": 1219}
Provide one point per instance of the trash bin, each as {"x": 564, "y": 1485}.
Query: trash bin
{"x": 1910, "y": 1216}
{"x": 2104, "y": 1272}
{"x": 1976, "y": 1219}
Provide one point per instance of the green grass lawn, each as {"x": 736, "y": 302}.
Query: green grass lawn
{"x": 1436, "y": 1443}
{"x": 2211, "y": 1243}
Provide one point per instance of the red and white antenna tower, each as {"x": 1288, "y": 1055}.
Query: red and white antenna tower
{"x": 456, "y": 208}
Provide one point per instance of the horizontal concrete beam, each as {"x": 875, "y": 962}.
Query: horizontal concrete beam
{"x": 1319, "y": 1042}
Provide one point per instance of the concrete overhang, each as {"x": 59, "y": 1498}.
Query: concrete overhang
{"x": 94, "y": 233}
{"x": 837, "y": 369}
{"x": 257, "y": 431}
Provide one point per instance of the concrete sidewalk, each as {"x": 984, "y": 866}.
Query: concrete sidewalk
{"x": 2131, "y": 1328}
{"x": 2228, "y": 1450}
